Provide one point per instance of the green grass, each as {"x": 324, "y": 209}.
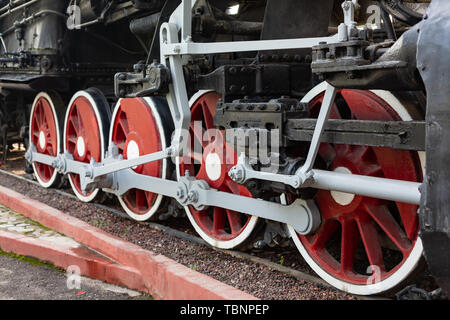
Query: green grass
{"x": 30, "y": 260}
{"x": 37, "y": 224}
{"x": 281, "y": 260}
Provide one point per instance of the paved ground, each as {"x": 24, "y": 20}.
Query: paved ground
{"x": 12, "y": 221}
{"x": 23, "y": 278}
{"x": 20, "y": 280}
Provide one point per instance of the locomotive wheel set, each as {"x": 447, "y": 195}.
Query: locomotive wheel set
{"x": 342, "y": 115}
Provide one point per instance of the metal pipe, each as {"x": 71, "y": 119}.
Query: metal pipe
{"x": 34, "y": 16}
{"x": 380, "y": 188}
{"x": 11, "y": 5}
{"x": 19, "y": 7}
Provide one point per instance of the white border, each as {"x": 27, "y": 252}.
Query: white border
{"x": 227, "y": 244}
{"x": 58, "y": 132}
{"x": 413, "y": 259}
{"x": 149, "y": 214}
{"x": 88, "y": 96}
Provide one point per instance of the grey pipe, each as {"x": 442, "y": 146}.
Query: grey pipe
{"x": 380, "y": 188}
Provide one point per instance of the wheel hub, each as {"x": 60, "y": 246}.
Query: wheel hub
{"x": 213, "y": 166}
{"x": 342, "y": 198}
{"x": 132, "y": 151}
{"x": 81, "y": 146}
{"x": 42, "y": 140}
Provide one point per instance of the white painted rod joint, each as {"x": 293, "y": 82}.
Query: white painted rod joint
{"x": 381, "y": 188}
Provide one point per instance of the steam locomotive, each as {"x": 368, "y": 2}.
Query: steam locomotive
{"x": 325, "y": 122}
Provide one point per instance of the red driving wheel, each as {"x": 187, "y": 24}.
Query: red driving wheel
{"x": 44, "y": 134}
{"x": 364, "y": 245}
{"x": 142, "y": 126}
{"x": 85, "y": 133}
{"x": 211, "y": 161}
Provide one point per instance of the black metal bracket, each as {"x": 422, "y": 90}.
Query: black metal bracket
{"x": 403, "y": 135}
{"x": 148, "y": 80}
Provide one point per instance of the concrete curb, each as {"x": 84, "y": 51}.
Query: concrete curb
{"x": 163, "y": 278}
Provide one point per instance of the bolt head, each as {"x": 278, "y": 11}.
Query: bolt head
{"x": 193, "y": 196}
{"x": 180, "y": 193}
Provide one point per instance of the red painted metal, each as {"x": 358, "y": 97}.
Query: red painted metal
{"x": 361, "y": 227}
{"x": 82, "y": 122}
{"x": 135, "y": 121}
{"x": 43, "y": 120}
{"x": 218, "y": 223}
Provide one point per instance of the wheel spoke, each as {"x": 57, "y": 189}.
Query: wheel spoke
{"x": 234, "y": 219}
{"x": 391, "y": 161}
{"x": 386, "y": 221}
{"x": 197, "y": 133}
{"x": 233, "y": 186}
{"x": 358, "y": 152}
{"x": 80, "y": 121}
{"x": 72, "y": 139}
{"x": 123, "y": 123}
{"x": 320, "y": 239}
{"x": 75, "y": 124}
{"x": 121, "y": 146}
{"x": 371, "y": 169}
{"x": 342, "y": 150}
{"x": 327, "y": 152}
{"x": 349, "y": 241}
{"x": 370, "y": 239}
{"x": 141, "y": 200}
{"x": 149, "y": 197}
{"x": 408, "y": 214}
{"x": 218, "y": 220}
{"x": 209, "y": 119}
{"x": 195, "y": 156}
{"x": 39, "y": 111}
{"x": 50, "y": 149}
